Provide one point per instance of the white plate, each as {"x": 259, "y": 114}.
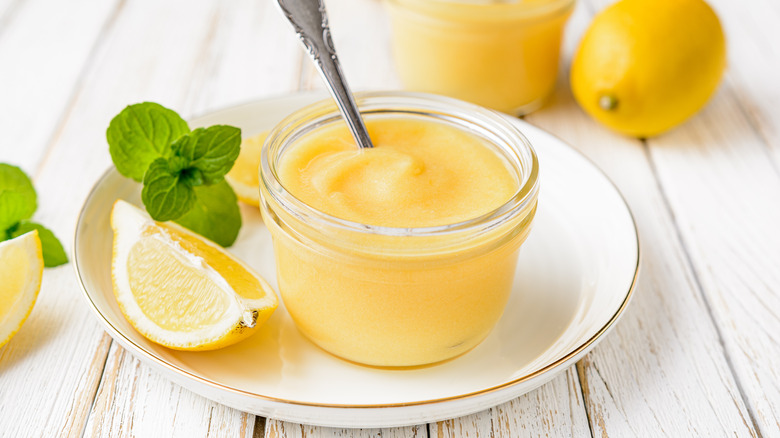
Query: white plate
{"x": 575, "y": 276}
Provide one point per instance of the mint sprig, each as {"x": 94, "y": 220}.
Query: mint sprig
{"x": 18, "y": 202}
{"x": 182, "y": 171}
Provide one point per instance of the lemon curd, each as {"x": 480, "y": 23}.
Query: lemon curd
{"x": 502, "y": 54}
{"x": 403, "y": 254}
{"x": 419, "y": 174}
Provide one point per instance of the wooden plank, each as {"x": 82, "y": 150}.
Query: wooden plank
{"x": 48, "y": 387}
{"x": 47, "y": 391}
{"x": 732, "y": 151}
{"x": 555, "y": 409}
{"x": 724, "y": 191}
{"x": 754, "y": 64}
{"x": 44, "y": 46}
{"x": 7, "y": 10}
{"x": 751, "y": 88}
{"x": 663, "y": 371}
{"x": 248, "y": 57}
{"x": 283, "y": 429}
{"x": 133, "y": 400}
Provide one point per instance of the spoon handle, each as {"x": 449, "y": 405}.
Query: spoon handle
{"x": 310, "y": 21}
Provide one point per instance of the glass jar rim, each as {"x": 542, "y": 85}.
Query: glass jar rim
{"x": 503, "y": 2}
{"x": 522, "y": 7}
{"x": 410, "y": 103}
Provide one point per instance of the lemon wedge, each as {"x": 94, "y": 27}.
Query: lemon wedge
{"x": 21, "y": 270}
{"x": 244, "y": 175}
{"x": 181, "y": 290}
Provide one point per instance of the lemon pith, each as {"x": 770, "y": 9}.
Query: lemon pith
{"x": 645, "y": 66}
{"x": 180, "y": 290}
{"x": 21, "y": 270}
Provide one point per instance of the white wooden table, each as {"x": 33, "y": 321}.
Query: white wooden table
{"x": 697, "y": 354}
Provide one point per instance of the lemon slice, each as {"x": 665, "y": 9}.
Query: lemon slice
{"x": 244, "y": 176}
{"x": 181, "y": 290}
{"x": 21, "y": 269}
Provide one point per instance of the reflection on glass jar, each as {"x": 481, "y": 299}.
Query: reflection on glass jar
{"x": 500, "y": 54}
{"x": 396, "y": 289}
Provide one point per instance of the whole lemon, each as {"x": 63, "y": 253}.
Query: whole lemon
{"x": 645, "y": 66}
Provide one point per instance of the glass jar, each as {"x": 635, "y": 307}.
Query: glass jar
{"x": 499, "y": 54}
{"x": 388, "y": 296}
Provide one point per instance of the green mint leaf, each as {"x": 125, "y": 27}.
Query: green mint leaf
{"x": 140, "y": 134}
{"x": 53, "y": 253}
{"x": 211, "y": 150}
{"x": 165, "y": 195}
{"x": 215, "y": 215}
{"x": 17, "y": 196}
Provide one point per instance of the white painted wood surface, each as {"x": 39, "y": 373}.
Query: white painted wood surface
{"x": 697, "y": 354}
{"x": 44, "y": 47}
{"x": 656, "y": 354}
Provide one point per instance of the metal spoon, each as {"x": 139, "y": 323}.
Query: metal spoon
{"x": 310, "y": 21}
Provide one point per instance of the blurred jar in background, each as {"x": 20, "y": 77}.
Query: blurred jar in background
{"x": 499, "y": 54}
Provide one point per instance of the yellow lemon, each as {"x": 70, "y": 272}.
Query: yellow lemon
{"x": 21, "y": 270}
{"x": 244, "y": 176}
{"x": 180, "y": 290}
{"x": 645, "y": 66}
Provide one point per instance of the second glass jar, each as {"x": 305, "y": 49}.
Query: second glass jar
{"x": 502, "y": 54}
